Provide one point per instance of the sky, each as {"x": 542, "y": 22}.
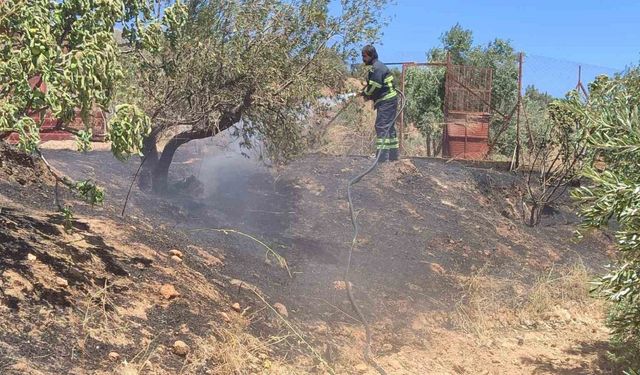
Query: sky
{"x": 556, "y": 36}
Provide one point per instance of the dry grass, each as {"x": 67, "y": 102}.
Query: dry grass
{"x": 232, "y": 351}
{"x": 558, "y": 287}
{"x": 475, "y": 312}
{"x": 490, "y": 304}
{"x": 414, "y": 143}
{"x": 224, "y": 351}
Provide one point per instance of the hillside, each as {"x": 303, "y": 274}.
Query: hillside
{"x": 452, "y": 282}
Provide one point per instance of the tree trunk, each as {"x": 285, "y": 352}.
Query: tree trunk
{"x": 160, "y": 175}
{"x": 158, "y": 168}
{"x": 534, "y": 215}
{"x": 437, "y": 149}
{"x": 150, "y": 160}
{"x": 428, "y": 144}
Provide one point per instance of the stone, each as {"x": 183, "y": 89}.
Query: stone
{"x": 436, "y": 268}
{"x": 180, "y": 348}
{"x": 31, "y": 257}
{"x": 168, "y": 291}
{"x": 176, "y": 259}
{"x": 61, "y": 282}
{"x": 236, "y": 307}
{"x": 114, "y": 356}
{"x": 176, "y": 253}
{"x": 281, "y": 309}
{"x": 339, "y": 285}
{"x": 225, "y": 317}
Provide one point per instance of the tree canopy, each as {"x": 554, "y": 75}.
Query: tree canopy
{"x": 59, "y": 59}
{"x": 612, "y": 194}
{"x": 253, "y": 65}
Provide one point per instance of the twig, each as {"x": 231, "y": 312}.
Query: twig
{"x": 335, "y": 307}
{"x": 281, "y": 260}
{"x": 144, "y": 355}
{"x": 124, "y": 207}
{"x": 294, "y": 331}
{"x": 58, "y": 177}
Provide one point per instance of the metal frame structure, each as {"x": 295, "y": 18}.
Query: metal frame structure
{"x": 463, "y": 94}
{"x": 467, "y": 110}
{"x": 405, "y": 67}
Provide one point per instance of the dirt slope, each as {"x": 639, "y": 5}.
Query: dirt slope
{"x": 106, "y": 296}
{"x": 451, "y": 282}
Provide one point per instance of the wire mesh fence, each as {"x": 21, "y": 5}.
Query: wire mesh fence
{"x": 516, "y": 110}
{"x": 556, "y": 77}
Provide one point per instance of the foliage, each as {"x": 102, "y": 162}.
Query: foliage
{"x": 429, "y": 85}
{"x": 90, "y": 192}
{"x": 67, "y": 218}
{"x": 59, "y": 59}
{"x": 425, "y": 90}
{"x": 458, "y": 42}
{"x": 613, "y": 193}
{"x": 557, "y": 145}
{"x": 83, "y": 139}
{"x": 625, "y": 346}
{"x": 254, "y": 65}
{"x": 27, "y": 130}
{"x": 535, "y": 116}
{"x": 129, "y": 126}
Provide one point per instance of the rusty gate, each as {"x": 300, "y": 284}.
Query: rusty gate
{"x": 467, "y": 110}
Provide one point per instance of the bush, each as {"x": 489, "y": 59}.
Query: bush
{"x": 612, "y": 120}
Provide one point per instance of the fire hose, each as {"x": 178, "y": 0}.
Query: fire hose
{"x": 367, "y": 348}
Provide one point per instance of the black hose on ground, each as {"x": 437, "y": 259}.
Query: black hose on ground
{"x": 367, "y": 349}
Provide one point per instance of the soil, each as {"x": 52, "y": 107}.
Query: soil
{"x": 450, "y": 279}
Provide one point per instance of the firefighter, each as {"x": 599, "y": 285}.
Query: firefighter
{"x": 380, "y": 90}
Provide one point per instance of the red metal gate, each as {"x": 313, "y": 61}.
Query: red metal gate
{"x": 467, "y": 110}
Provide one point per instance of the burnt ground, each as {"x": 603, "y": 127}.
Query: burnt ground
{"x": 444, "y": 270}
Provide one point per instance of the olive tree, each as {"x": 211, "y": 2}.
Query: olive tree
{"x": 424, "y": 89}
{"x": 557, "y": 151}
{"x": 256, "y": 66}
{"x": 612, "y": 194}
{"x": 59, "y": 59}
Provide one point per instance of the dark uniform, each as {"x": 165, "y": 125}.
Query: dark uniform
{"x": 385, "y": 98}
